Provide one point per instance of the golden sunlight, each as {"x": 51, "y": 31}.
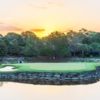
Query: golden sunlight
{"x": 47, "y": 32}
{"x": 44, "y": 33}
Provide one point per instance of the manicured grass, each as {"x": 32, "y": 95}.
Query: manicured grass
{"x": 54, "y": 67}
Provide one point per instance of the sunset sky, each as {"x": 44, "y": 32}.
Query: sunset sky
{"x": 45, "y": 16}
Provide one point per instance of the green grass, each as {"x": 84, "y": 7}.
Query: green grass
{"x": 53, "y": 67}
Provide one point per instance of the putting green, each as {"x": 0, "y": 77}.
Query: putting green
{"x": 53, "y": 67}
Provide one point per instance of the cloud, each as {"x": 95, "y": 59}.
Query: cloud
{"x": 56, "y": 4}
{"x": 1, "y": 23}
{"x": 37, "y": 7}
{"x": 9, "y": 28}
{"x": 5, "y": 18}
{"x": 37, "y": 30}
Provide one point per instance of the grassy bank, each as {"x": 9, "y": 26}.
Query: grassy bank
{"x": 54, "y": 67}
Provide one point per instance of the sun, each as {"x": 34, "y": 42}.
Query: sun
{"x": 47, "y": 32}
{"x": 44, "y": 33}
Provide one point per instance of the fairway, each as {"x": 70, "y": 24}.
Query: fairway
{"x": 53, "y": 67}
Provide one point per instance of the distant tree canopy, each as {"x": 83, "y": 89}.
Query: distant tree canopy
{"x": 83, "y": 43}
{"x": 3, "y": 48}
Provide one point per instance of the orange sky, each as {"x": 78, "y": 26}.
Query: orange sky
{"x": 45, "y": 16}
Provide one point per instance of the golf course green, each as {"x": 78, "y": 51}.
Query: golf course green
{"x": 53, "y": 67}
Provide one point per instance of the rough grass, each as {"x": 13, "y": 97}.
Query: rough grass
{"x": 53, "y": 67}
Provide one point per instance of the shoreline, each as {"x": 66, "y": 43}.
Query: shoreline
{"x": 51, "y": 78}
{"x": 7, "y": 60}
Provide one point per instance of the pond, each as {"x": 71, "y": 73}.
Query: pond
{"x": 19, "y": 91}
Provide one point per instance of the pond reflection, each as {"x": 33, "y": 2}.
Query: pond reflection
{"x": 19, "y": 91}
{"x": 1, "y": 84}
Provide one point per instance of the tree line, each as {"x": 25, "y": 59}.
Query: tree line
{"x": 83, "y": 43}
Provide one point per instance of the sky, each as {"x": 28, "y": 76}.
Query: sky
{"x": 45, "y": 16}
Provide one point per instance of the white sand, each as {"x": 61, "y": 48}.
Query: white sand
{"x": 8, "y": 68}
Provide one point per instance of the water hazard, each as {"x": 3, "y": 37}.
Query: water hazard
{"x": 18, "y": 91}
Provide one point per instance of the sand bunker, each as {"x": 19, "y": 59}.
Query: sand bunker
{"x": 8, "y": 68}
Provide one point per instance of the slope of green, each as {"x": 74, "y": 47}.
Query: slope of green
{"x": 53, "y": 67}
